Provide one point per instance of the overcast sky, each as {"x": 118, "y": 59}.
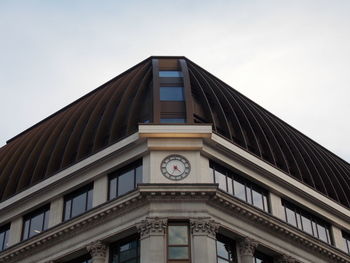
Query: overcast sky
{"x": 291, "y": 57}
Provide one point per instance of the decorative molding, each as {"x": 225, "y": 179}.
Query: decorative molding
{"x": 152, "y": 226}
{"x": 286, "y": 259}
{"x": 204, "y": 226}
{"x": 247, "y": 246}
{"x": 97, "y": 249}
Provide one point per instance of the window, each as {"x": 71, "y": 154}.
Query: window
{"x": 172, "y": 94}
{"x": 125, "y": 180}
{"x": 170, "y": 74}
{"x": 82, "y": 259}
{"x": 262, "y": 258}
{"x": 306, "y": 222}
{"x": 239, "y": 187}
{"x": 178, "y": 120}
{"x": 78, "y": 202}
{"x": 178, "y": 243}
{"x": 125, "y": 251}
{"x": 346, "y": 237}
{"x": 4, "y": 237}
{"x": 225, "y": 250}
{"x": 35, "y": 222}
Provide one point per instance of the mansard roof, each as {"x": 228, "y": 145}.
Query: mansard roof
{"x": 114, "y": 110}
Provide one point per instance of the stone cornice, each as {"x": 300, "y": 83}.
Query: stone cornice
{"x": 148, "y": 193}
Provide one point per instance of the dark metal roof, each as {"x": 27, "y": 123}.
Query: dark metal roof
{"x": 114, "y": 110}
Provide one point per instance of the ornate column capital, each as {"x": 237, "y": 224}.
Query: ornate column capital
{"x": 97, "y": 249}
{"x": 152, "y": 226}
{"x": 204, "y": 226}
{"x": 247, "y": 246}
{"x": 286, "y": 259}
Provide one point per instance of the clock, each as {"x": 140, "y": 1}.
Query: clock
{"x": 175, "y": 167}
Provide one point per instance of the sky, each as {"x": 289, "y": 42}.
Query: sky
{"x": 291, "y": 57}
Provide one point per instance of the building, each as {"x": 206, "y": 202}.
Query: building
{"x": 166, "y": 163}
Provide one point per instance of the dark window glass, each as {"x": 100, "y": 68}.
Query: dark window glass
{"x": 170, "y": 74}
{"x": 125, "y": 180}
{"x": 178, "y": 242}
{"x": 239, "y": 187}
{"x": 125, "y": 251}
{"x": 346, "y": 238}
{"x": 307, "y": 222}
{"x": 35, "y": 222}
{"x": 172, "y": 94}
{"x": 260, "y": 257}
{"x": 78, "y": 202}
{"x": 82, "y": 259}
{"x": 4, "y": 236}
{"x": 225, "y": 250}
{"x": 171, "y": 120}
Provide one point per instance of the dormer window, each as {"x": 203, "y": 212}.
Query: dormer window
{"x": 35, "y": 222}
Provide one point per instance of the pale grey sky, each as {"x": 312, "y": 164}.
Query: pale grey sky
{"x": 291, "y": 57}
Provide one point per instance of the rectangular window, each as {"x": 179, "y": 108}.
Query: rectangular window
{"x": 78, "y": 202}
{"x": 225, "y": 250}
{"x": 178, "y": 243}
{"x": 125, "y": 180}
{"x": 262, "y": 258}
{"x": 172, "y": 94}
{"x": 82, "y": 259}
{"x": 125, "y": 251}
{"x": 307, "y": 222}
{"x": 4, "y": 236}
{"x": 170, "y": 74}
{"x": 35, "y": 222}
{"x": 176, "y": 120}
{"x": 239, "y": 187}
{"x": 346, "y": 238}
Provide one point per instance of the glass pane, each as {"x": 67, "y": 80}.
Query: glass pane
{"x": 258, "y": 200}
{"x": 125, "y": 182}
{"x": 89, "y": 199}
{"x": 46, "y": 220}
{"x": 298, "y": 220}
{"x": 223, "y": 250}
{"x": 249, "y": 194}
{"x": 36, "y": 225}
{"x": 170, "y": 74}
{"x": 127, "y": 254}
{"x": 26, "y": 229}
{"x": 178, "y": 120}
{"x": 220, "y": 260}
{"x": 112, "y": 188}
{"x": 221, "y": 180}
{"x": 291, "y": 217}
{"x": 314, "y": 229}
{"x": 239, "y": 190}
{"x": 78, "y": 205}
{"x": 172, "y": 94}
{"x": 322, "y": 233}
{"x": 178, "y": 252}
{"x": 138, "y": 175}
{"x": 67, "y": 209}
{"x": 266, "y": 206}
{"x": 229, "y": 185}
{"x": 178, "y": 235}
{"x": 2, "y": 240}
{"x": 6, "y": 241}
{"x": 348, "y": 245}
{"x": 306, "y": 224}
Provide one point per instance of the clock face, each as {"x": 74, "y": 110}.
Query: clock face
{"x": 175, "y": 167}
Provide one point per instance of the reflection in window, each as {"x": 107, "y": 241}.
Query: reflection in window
{"x": 126, "y": 251}
{"x": 346, "y": 238}
{"x": 241, "y": 188}
{"x": 125, "y": 180}
{"x": 166, "y": 120}
{"x": 262, "y": 258}
{"x": 225, "y": 250}
{"x": 4, "y": 237}
{"x": 78, "y": 202}
{"x": 35, "y": 222}
{"x": 172, "y": 94}
{"x": 178, "y": 242}
{"x": 170, "y": 74}
{"x": 307, "y": 222}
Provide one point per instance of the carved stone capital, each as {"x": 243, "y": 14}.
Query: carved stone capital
{"x": 152, "y": 226}
{"x": 247, "y": 246}
{"x": 204, "y": 226}
{"x": 97, "y": 249}
{"x": 286, "y": 259}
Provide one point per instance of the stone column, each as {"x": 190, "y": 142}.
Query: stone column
{"x": 153, "y": 239}
{"x": 98, "y": 251}
{"x": 247, "y": 248}
{"x": 203, "y": 232}
{"x": 286, "y": 259}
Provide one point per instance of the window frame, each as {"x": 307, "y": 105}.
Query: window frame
{"x": 124, "y": 241}
{"x": 69, "y": 197}
{"x": 5, "y": 229}
{"x": 232, "y": 245}
{"x": 45, "y": 210}
{"x": 179, "y": 223}
{"x": 119, "y": 172}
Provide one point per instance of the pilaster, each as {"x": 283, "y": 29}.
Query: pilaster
{"x": 15, "y": 231}
{"x": 100, "y": 191}
{"x": 247, "y": 248}
{"x": 56, "y": 211}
